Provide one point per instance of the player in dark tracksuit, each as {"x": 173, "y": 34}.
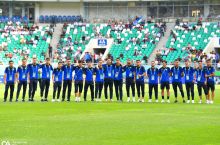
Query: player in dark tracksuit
{"x": 22, "y": 72}
{"x": 108, "y": 79}
{"x": 89, "y": 82}
{"x": 189, "y": 81}
{"x": 67, "y": 79}
{"x": 57, "y": 78}
{"x": 164, "y": 73}
{"x": 210, "y": 73}
{"x": 78, "y": 80}
{"x": 99, "y": 80}
{"x": 9, "y": 80}
{"x": 33, "y": 78}
{"x": 118, "y": 79}
{"x": 46, "y": 73}
{"x": 152, "y": 74}
{"x": 130, "y": 80}
{"x": 140, "y": 72}
{"x": 201, "y": 81}
{"x": 177, "y": 73}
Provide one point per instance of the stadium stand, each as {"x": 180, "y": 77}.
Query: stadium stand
{"x": 187, "y": 41}
{"x": 18, "y": 40}
{"x": 131, "y": 41}
{"x": 59, "y": 19}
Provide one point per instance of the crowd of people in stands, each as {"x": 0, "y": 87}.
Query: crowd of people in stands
{"x": 66, "y": 49}
{"x": 17, "y": 32}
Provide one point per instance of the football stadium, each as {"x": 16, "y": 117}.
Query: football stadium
{"x": 109, "y": 72}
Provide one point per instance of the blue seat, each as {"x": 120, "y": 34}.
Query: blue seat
{"x": 41, "y": 19}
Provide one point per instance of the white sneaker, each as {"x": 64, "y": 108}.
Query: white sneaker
{"x": 53, "y": 100}
{"x": 168, "y": 101}
{"x": 111, "y": 100}
{"x": 211, "y": 102}
{"x": 142, "y": 100}
{"x": 162, "y": 101}
{"x": 106, "y": 100}
{"x": 76, "y": 99}
{"x": 207, "y": 101}
{"x": 188, "y": 101}
{"x": 193, "y": 101}
{"x": 200, "y": 101}
{"x": 156, "y": 101}
{"x": 133, "y": 99}
{"x": 139, "y": 100}
{"x": 58, "y": 100}
{"x": 149, "y": 101}
{"x": 128, "y": 99}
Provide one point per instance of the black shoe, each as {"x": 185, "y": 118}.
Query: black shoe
{"x": 29, "y": 99}
{"x": 42, "y": 100}
{"x": 175, "y": 101}
{"x": 68, "y": 100}
{"x": 63, "y": 100}
{"x": 16, "y": 100}
{"x": 184, "y": 101}
{"x": 23, "y": 100}
{"x": 45, "y": 100}
{"x": 10, "y": 100}
{"x": 4, "y": 100}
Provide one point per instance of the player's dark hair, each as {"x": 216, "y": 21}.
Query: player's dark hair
{"x": 164, "y": 61}
{"x": 208, "y": 60}
{"x": 47, "y": 58}
{"x": 10, "y": 61}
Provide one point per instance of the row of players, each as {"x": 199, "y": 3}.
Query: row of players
{"x": 107, "y": 75}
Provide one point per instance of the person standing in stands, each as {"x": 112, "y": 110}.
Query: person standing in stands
{"x": 57, "y": 78}
{"x": 108, "y": 79}
{"x": 99, "y": 80}
{"x": 68, "y": 77}
{"x": 189, "y": 81}
{"x": 46, "y": 73}
{"x": 22, "y": 72}
{"x": 152, "y": 74}
{"x": 177, "y": 74}
{"x": 139, "y": 78}
{"x": 164, "y": 73}
{"x": 78, "y": 80}
{"x": 33, "y": 78}
{"x": 201, "y": 81}
{"x": 89, "y": 83}
{"x": 9, "y": 80}
{"x": 118, "y": 79}
{"x": 210, "y": 73}
{"x": 130, "y": 80}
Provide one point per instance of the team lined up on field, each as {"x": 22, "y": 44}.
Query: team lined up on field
{"x": 107, "y": 75}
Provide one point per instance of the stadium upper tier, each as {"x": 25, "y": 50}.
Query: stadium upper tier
{"x": 130, "y": 41}
{"x": 18, "y": 40}
{"x": 185, "y": 39}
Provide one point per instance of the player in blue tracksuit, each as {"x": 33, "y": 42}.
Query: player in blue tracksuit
{"x": 130, "y": 80}
{"x": 164, "y": 73}
{"x": 78, "y": 80}
{"x": 189, "y": 80}
{"x": 140, "y": 72}
{"x": 22, "y": 72}
{"x": 46, "y": 73}
{"x": 99, "y": 80}
{"x": 118, "y": 79}
{"x": 57, "y": 78}
{"x": 210, "y": 73}
{"x": 9, "y": 80}
{"x": 201, "y": 81}
{"x": 67, "y": 79}
{"x": 177, "y": 74}
{"x": 33, "y": 78}
{"x": 108, "y": 79}
{"x": 89, "y": 82}
{"x": 152, "y": 74}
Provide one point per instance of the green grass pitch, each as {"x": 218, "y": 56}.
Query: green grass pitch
{"x": 106, "y": 123}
